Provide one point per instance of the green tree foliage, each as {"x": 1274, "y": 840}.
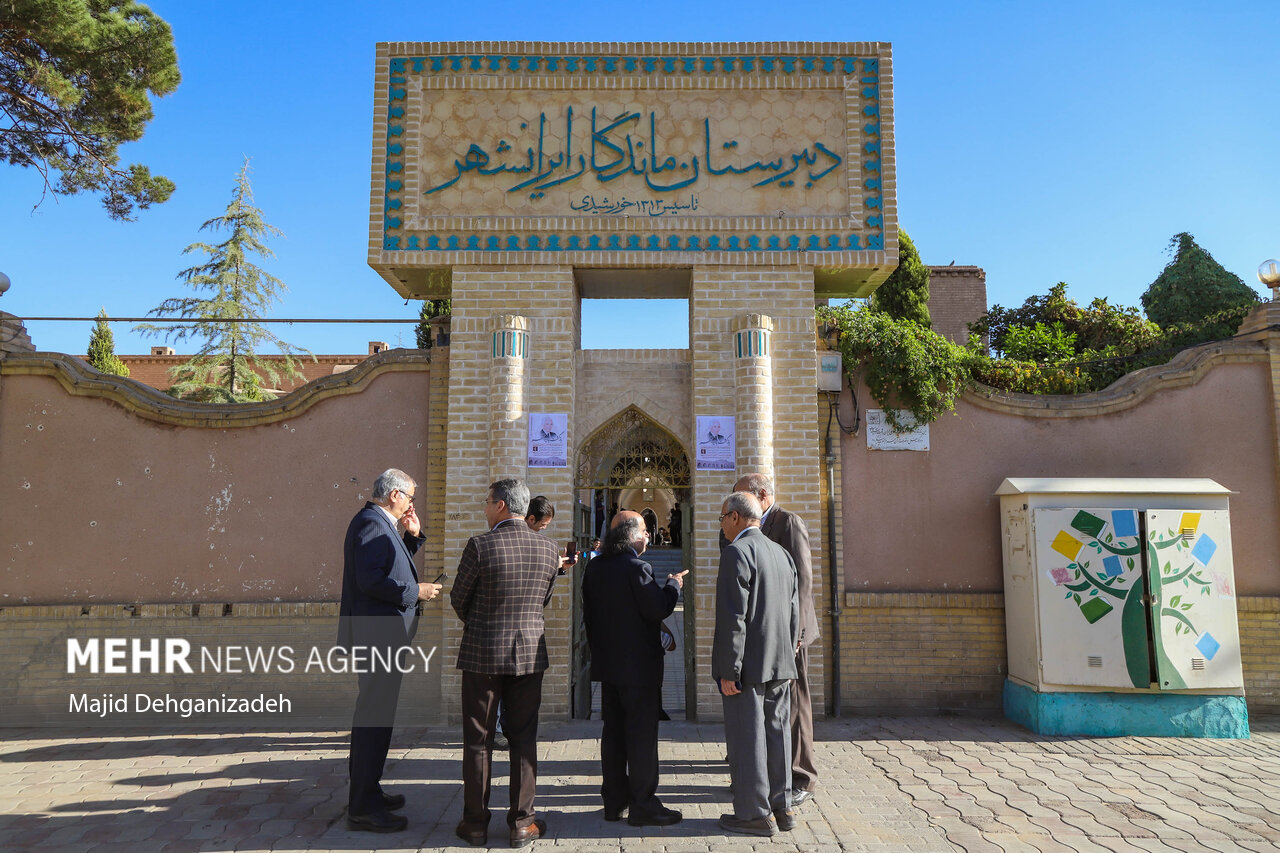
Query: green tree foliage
{"x": 431, "y": 308}
{"x": 905, "y": 293}
{"x": 227, "y": 368}
{"x": 1052, "y": 345}
{"x": 75, "y": 83}
{"x": 905, "y": 365}
{"x": 102, "y": 348}
{"x": 1195, "y": 299}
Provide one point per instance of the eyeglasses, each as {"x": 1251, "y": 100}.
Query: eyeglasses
{"x": 727, "y": 514}
{"x": 406, "y": 495}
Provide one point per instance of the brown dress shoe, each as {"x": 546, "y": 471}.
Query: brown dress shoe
{"x": 473, "y": 836}
{"x": 525, "y": 835}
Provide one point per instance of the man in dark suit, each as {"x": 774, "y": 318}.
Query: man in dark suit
{"x": 623, "y": 607}
{"x": 789, "y": 530}
{"x": 505, "y": 579}
{"x": 753, "y": 659}
{"x": 380, "y": 595}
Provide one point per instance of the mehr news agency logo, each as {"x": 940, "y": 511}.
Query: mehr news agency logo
{"x": 174, "y": 656}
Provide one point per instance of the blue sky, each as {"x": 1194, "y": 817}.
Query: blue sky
{"x": 1040, "y": 141}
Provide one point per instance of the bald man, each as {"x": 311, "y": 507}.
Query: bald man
{"x": 623, "y": 606}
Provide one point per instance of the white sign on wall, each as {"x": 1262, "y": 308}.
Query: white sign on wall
{"x": 716, "y": 443}
{"x": 881, "y": 437}
{"x": 548, "y": 440}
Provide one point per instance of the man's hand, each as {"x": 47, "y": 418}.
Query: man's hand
{"x": 428, "y": 591}
{"x": 729, "y": 688}
{"x": 410, "y": 521}
{"x": 679, "y": 578}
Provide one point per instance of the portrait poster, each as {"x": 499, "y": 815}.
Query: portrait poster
{"x": 716, "y": 443}
{"x": 548, "y": 440}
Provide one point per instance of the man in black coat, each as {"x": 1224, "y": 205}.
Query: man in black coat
{"x": 623, "y": 607}
{"x": 380, "y": 596}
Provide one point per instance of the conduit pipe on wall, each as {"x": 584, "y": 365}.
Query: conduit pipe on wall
{"x": 829, "y": 458}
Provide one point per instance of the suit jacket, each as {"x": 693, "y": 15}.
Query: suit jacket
{"x": 623, "y": 607}
{"x": 378, "y": 580}
{"x": 504, "y": 579}
{"x": 789, "y": 530}
{"x": 757, "y": 612}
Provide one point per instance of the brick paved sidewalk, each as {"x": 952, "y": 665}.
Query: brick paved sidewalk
{"x": 890, "y": 784}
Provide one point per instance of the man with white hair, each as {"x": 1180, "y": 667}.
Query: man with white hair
{"x": 789, "y": 530}
{"x": 379, "y": 610}
{"x": 753, "y": 660}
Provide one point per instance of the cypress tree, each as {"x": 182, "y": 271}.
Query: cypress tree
{"x": 1195, "y": 298}
{"x": 102, "y": 349}
{"x": 905, "y": 293}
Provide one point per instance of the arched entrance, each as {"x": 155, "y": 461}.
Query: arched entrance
{"x": 632, "y": 462}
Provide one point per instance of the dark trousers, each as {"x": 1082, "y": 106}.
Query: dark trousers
{"x": 757, "y": 729}
{"x": 521, "y": 696}
{"x": 804, "y": 772}
{"x": 629, "y": 747}
{"x": 376, "y": 704}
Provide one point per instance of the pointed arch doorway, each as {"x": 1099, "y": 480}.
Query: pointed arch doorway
{"x": 632, "y": 462}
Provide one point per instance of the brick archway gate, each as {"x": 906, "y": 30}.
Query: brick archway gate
{"x": 632, "y": 455}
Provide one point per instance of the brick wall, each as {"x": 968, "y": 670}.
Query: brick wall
{"x": 957, "y": 297}
{"x": 906, "y": 653}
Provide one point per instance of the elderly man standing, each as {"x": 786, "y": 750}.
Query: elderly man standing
{"x": 380, "y": 596}
{"x": 504, "y": 580}
{"x": 753, "y": 659}
{"x": 623, "y": 606}
{"x": 789, "y": 530}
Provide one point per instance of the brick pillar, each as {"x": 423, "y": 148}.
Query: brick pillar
{"x": 753, "y": 392}
{"x": 508, "y": 433}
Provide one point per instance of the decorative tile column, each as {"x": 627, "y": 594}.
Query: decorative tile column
{"x": 508, "y": 433}
{"x": 753, "y": 392}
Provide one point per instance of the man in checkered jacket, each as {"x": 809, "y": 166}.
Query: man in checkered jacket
{"x": 505, "y": 579}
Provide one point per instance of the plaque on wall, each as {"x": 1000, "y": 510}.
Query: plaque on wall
{"x": 881, "y": 437}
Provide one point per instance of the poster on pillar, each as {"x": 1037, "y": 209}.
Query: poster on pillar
{"x": 716, "y": 443}
{"x": 548, "y": 440}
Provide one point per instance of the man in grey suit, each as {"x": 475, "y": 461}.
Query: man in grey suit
{"x": 505, "y": 579}
{"x": 789, "y": 530}
{"x": 753, "y": 660}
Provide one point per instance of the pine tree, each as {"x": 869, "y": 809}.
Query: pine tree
{"x": 102, "y": 349}
{"x": 227, "y": 368}
{"x": 905, "y": 293}
{"x": 76, "y": 78}
{"x": 1195, "y": 298}
{"x": 431, "y": 308}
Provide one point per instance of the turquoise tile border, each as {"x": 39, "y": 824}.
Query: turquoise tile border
{"x": 453, "y": 64}
{"x": 1127, "y": 714}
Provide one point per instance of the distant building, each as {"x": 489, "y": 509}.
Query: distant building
{"x": 153, "y": 369}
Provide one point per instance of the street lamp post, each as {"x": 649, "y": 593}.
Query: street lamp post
{"x": 1269, "y": 274}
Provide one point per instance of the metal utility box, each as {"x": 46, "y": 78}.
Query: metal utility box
{"x": 1120, "y": 607}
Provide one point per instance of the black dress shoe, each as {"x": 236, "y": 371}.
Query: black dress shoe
{"x": 376, "y": 822}
{"x": 614, "y": 815}
{"x": 662, "y": 817}
{"x": 392, "y": 802}
{"x": 471, "y": 835}
{"x": 786, "y": 819}
{"x": 798, "y": 797}
{"x": 526, "y": 835}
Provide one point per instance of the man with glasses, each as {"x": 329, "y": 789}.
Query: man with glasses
{"x": 380, "y": 600}
{"x": 505, "y": 578}
{"x": 753, "y": 660}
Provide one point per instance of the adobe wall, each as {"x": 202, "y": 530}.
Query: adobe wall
{"x": 922, "y": 615}
{"x": 112, "y": 496}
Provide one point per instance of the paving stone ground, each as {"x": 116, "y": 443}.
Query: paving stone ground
{"x": 889, "y": 784}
